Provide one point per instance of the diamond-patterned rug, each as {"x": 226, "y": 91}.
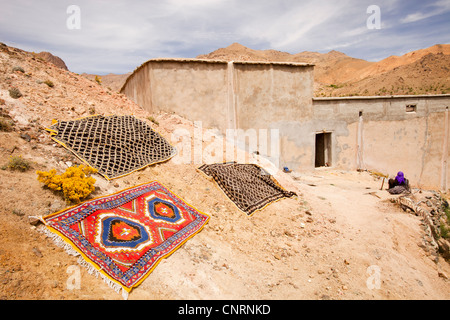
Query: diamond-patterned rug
{"x": 124, "y": 236}
{"x": 249, "y": 186}
{"x": 114, "y": 145}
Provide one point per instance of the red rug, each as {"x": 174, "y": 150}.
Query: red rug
{"x": 124, "y": 236}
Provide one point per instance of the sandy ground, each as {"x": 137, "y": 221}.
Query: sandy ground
{"x": 335, "y": 242}
{"x": 341, "y": 238}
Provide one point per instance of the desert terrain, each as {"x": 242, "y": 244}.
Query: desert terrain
{"x": 424, "y": 71}
{"x": 341, "y": 238}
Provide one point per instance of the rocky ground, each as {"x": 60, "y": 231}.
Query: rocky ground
{"x": 341, "y": 238}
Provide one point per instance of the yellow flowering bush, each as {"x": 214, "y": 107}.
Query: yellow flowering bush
{"x": 75, "y": 183}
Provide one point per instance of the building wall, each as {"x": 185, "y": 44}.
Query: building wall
{"x": 250, "y": 96}
{"x": 390, "y": 138}
{"x": 231, "y": 95}
{"x": 268, "y": 93}
{"x": 196, "y": 90}
{"x": 221, "y": 94}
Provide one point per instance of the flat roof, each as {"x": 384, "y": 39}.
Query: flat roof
{"x": 286, "y": 63}
{"x": 381, "y": 97}
{"x": 189, "y": 60}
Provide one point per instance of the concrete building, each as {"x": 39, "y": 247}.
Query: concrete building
{"x": 385, "y": 134}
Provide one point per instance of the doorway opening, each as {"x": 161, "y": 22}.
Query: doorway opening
{"x": 323, "y": 149}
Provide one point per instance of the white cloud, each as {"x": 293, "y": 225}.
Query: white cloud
{"x": 417, "y": 16}
{"x": 355, "y": 32}
{"x": 119, "y": 35}
{"x": 437, "y": 8}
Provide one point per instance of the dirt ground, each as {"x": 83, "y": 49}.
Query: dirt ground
{"x": 341, "y": 238}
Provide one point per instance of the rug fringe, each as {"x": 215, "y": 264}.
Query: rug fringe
{"x": 59, "y": 242}
{"x": 90, "y": 268}
{"x": 113, "y": 285}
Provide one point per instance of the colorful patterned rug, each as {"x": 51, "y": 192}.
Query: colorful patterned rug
{"x": 114, "y": 145}
{"x": 249, "y": 186}
{"x": 124, "y": 236}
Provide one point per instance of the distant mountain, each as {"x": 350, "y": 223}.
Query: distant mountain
{"x": 396, "y": 61}
{"x": 429, "y": 74}
{"x": 111, "y": 81}
{"x": 423, "y": 71}
{"x": 57, "y": 61}
{"x": 329, "y": 66}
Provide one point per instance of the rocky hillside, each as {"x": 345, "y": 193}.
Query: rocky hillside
{"x": 423, "y": 71}
{"x": 429, "y": 74}
{"x": 57, "y": 61}
{"x": 113, "y": 82}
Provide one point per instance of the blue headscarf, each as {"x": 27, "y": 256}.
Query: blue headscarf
{"x": 400, "y": 178}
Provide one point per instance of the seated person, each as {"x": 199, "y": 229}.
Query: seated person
{"x": 399, "y": 180}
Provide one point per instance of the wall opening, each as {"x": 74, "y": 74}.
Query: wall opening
{"x": 411, "y": 108}
{"x": 323, "y": 149}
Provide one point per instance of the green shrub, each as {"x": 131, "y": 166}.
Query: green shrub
{"x": 18, "y": 212}
{"x": 49, "y": 83}
{"x": 444, "y": 231}
{"x": 153, "y": 120}
{"x": 18, "y": 163}
{"x": 15, "y": 93}
{"x": 446, "y": 209}
{"x": 18, "y": 68}
{"x": 5, "y": 125}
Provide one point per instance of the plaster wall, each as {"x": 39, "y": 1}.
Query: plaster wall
{"x": 270, "y": 93}
{"x": 389, "y": 138}
{"x": 244, "y": 96}
{"x": 196, "y": 90}
{"x": 373, "y": 133}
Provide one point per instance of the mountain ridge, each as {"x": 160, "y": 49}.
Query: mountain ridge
{"x": 337, "y": 74}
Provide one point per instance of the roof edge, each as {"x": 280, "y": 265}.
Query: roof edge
{"x": 381, "y": 97}
{"x": 214, "y": 61}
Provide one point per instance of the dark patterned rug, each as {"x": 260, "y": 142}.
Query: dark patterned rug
{"x": 249, "y": 186}
{"x": 114, "y": 145}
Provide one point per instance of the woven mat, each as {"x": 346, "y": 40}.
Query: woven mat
{"x": 124, "y": 236}
{"x": 249, "y": 186}
{"x": 114, "y": 145}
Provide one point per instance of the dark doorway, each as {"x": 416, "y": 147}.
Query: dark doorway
{"x": 323, "y": 149}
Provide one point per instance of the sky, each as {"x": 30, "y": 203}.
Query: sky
{"x": 101, "y": 37}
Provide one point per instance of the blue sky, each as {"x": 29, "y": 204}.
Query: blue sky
{"x": 117, "y": 36}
